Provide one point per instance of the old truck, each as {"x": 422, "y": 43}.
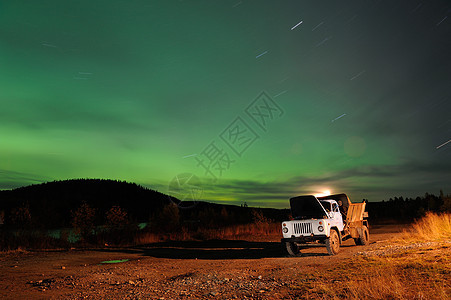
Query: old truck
{"x": 325, "y": 220}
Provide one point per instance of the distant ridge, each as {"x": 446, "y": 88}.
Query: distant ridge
{"x": 51, "y": 203}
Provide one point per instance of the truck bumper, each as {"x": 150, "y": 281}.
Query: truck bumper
{"x": 304, "y": 239}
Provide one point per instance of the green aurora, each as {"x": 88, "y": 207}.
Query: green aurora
{"x": 137, "y": 91}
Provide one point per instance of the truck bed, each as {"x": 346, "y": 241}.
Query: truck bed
{"x": 356, "y": 212}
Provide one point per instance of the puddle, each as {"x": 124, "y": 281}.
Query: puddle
{"x": 114, "y": 261}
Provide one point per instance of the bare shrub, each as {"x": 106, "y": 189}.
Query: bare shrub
{"x": 259, "y": 218}
{"x": 116, "y": 217}
{"x": 21, "y": 216}
{"x": 119, "y": 229}
{"x": 261, "y": 224}
{"x": 208, "y": 218}
{"x": 168, "y": 220}
{"x": 83, "y": 220}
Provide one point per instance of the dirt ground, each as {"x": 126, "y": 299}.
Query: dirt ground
{"x": 172, "y": 270}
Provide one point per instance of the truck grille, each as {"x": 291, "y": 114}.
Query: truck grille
{"x": 301, "y": 228}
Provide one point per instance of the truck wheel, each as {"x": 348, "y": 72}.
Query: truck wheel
{"x": 292, "y": 249}
{"x": 333, "y": 243}
{"x": 364, "y": 236}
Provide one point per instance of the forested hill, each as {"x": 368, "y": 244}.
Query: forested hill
{"x": 51, "y": 203}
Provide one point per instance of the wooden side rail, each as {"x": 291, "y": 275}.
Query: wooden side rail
{"x": 355, "y": 212}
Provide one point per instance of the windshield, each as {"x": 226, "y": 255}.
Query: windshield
{"x": 326, "y": 205}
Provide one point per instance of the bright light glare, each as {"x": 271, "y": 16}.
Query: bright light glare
{"x": 324, "y": 193}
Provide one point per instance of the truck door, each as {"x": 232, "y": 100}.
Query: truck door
{"x": 337, "y": 219}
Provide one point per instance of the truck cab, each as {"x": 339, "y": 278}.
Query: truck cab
{"x": 313, "y": 219}
{"x": 333, "y": 212}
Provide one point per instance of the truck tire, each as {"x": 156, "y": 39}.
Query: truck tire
{"x": 364, "y": 237}
{"x": 292, "y": 249}
{"x": 333, "y": 243}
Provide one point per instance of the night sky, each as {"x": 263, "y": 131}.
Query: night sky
{"x": 259, "y": 100}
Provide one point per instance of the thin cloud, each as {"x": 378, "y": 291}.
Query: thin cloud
{"x": 372, "y": 182}
{"x": 11, "y": 179}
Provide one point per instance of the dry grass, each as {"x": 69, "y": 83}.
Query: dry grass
{"x": 244, "y": 231}
{"x": 422, "y": 271}
{"x": 423, "y": 274}
{"x": 430, "y": 228}
{"x": 235, "y": 232}
{"x": 146, "y": 238}
{"x": 10, "y": 241}
{"x": 19, "y": 250}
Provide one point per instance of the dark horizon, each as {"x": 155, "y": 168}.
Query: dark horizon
{"x": 441, "y": 193}
{"x": 55, "y": 205}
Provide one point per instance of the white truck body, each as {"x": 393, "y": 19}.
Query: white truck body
{"x": 320, "y": 220}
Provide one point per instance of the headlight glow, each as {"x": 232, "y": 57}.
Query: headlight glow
{"x": 285, "y": 230}
{"x": 321, "y": 228}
